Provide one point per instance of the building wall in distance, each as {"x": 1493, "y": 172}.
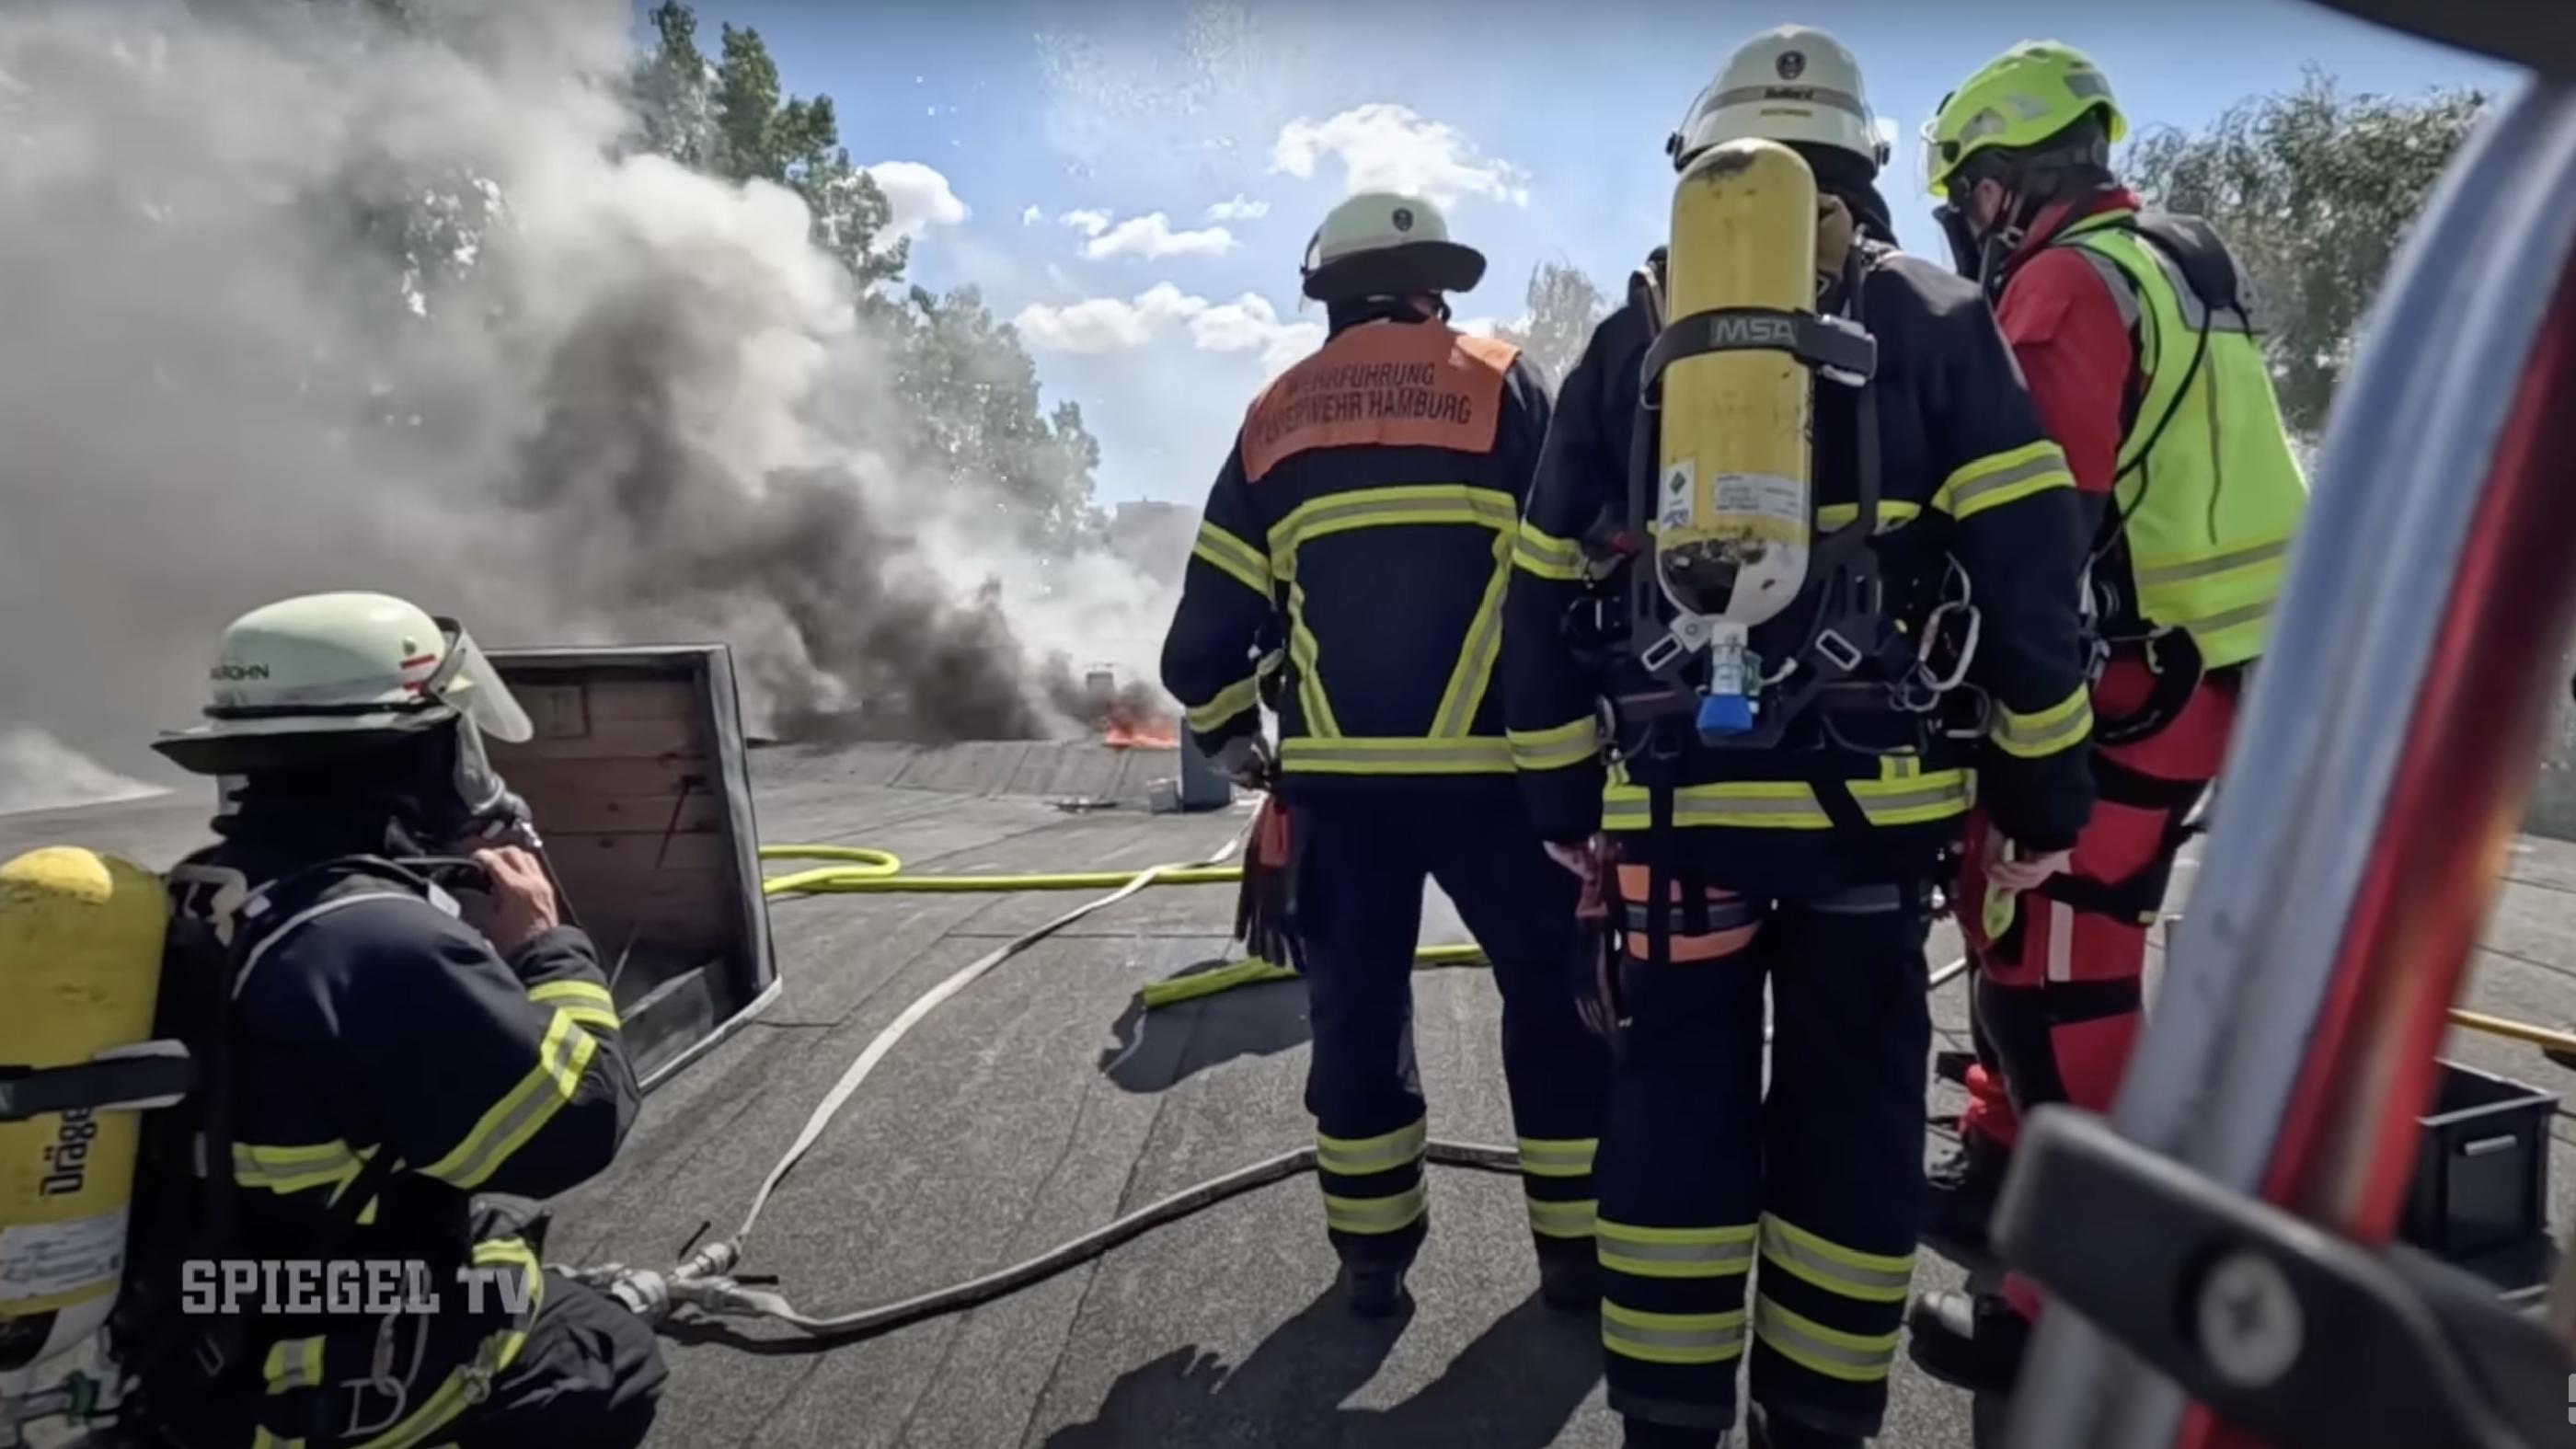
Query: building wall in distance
{"x": 1154, "y": 536}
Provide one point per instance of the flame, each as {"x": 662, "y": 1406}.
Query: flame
{"x": 1134, "y": 729}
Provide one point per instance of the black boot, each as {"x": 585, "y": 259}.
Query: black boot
{"x": 1372, "y": 1291}
{"x": 1959, "y": 1197}
{"x": 1763, "y": 1430}
{"x": 1567, "y": 1279}
{"x": 1643, "y": 1434}
{"x": 1973, "y": 1341}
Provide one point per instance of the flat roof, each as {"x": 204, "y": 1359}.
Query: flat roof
{"x": 1040, "y": 1103}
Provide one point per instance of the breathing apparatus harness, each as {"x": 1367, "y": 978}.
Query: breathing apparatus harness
{"x": 1856, "y": 659}
{"x": 187, "y": 1074}
{"x": 215, "y": 944}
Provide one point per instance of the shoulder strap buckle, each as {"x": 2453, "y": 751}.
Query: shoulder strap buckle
{"x": 1646, "y": 289}
{"x": 1841, "y": 653}
{"x": 1687, "y": 635}
{"x": 1836, "y": 347}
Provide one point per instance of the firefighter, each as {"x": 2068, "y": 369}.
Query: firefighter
{"x": 388, "y": 1055}
{"x": 1801, "y": 856}
{"x": 1366, "y": 513}
{"x": 2133, "y": 331}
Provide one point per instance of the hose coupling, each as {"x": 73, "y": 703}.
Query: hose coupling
{"x": 642, "y": 1291}
{"x": 712, "y": 1261}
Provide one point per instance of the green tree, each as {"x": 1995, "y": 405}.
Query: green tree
{"x": 2315, "y": 190}
{"x": 674, "y": 92}
{"x": 1564, "y": 307}
{"x": 969, "y": 389}
{"x": 974, "y": 391}
{"x": 733, "y": 119}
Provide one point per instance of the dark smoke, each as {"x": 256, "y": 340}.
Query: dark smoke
{"x": 308, "y": 303}
{"x": 880, "y": 648}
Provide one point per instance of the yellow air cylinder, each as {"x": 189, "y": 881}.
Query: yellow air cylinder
{"x": 1733, "y": 518}
{"x": 80, "y": 969}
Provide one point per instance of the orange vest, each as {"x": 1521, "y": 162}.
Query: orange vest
{"x": 1381, "y": 385}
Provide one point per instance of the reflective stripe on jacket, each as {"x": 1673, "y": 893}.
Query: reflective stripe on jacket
{"x": 1364, "y": 522}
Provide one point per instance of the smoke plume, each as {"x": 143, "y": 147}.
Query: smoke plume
{"x": 299, "y": 298}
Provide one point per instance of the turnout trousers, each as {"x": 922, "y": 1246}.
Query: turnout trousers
{"x": 1777, "y": 1225}
{"x": 1364, "y": 853}
{"x": 590, "y": 1374}
{"x": 2058, "y": 992}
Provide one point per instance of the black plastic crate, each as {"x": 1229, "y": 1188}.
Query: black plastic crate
{"x": 2481, "y": 1183}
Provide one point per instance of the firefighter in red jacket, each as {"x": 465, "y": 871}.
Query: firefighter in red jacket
{"x": 2131, "y": 328}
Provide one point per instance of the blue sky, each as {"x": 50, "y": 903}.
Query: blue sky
{"x": 1134, "y": 180}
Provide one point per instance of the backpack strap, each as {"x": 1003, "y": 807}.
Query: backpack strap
{"x": 263, "y": 919}
{"x": 2192, "y": 245}
{"x": 2138, "y": 897}
{"x": 278, "y": 909}
{"x": 1646, "y": 289}
{"x": 128, "y": 1079}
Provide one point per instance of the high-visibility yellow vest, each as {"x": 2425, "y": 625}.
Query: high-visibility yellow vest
{"x": 2209, "y": 491}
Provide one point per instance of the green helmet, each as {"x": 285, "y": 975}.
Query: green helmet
{"x": 2021, "y": 98}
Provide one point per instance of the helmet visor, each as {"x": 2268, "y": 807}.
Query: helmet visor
{"x": 1935, "y": 181}
{"x": 467, "y": 683}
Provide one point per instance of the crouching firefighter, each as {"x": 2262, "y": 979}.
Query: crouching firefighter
{"x": 2133, "y": 332}
{"x": 1368, "y": 506}
{"x": 370, "y": 1063}
{"x": 1765, "y": 670}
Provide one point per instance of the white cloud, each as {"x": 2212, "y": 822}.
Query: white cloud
{"x": 1087, "y": 221}
{"x": 1386, "y": 147}
{"x": 1250, "y": 324}
{"x": 1151, "y": 236}
{"x": 919, "y": 195}
{"x": 1033, "y": 216}
{"x": 1242, "y": 208}
{"x": 1105, "y": 324}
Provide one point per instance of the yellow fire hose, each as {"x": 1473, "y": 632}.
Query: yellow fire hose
{"x": 2560, "y": 1045}
{"x": 860, "y": 870}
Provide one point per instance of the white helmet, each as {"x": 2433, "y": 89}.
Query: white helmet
{"x": 340, "y": 665}
{"x": 1382, "y": 244}
{"x": 1794, "y": 84}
